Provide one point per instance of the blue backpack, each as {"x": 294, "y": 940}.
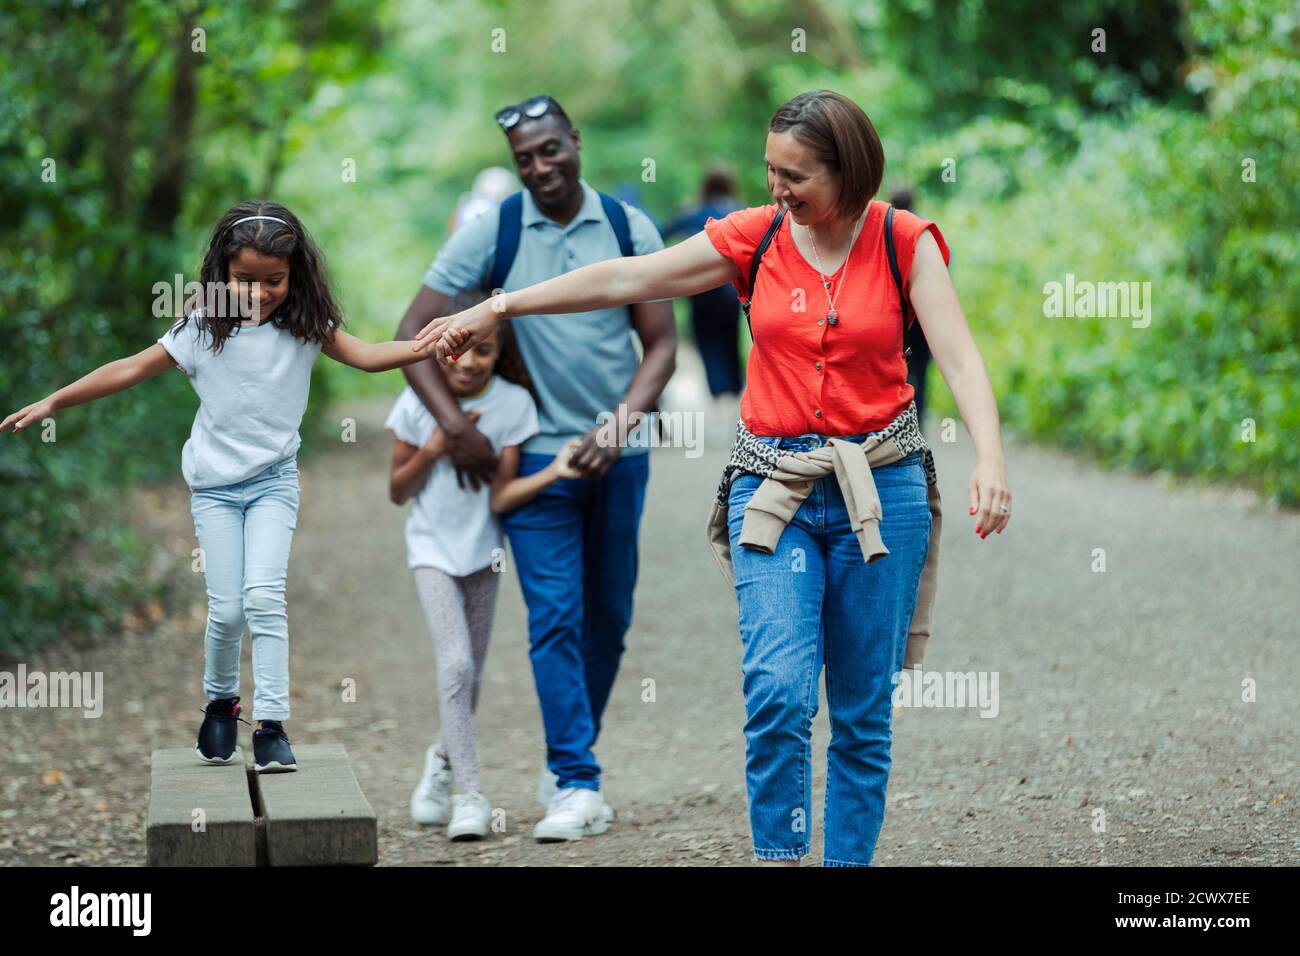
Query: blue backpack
{"x": 510, "y": 224}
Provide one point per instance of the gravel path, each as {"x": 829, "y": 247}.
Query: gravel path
{"x": 1119, "y": 691}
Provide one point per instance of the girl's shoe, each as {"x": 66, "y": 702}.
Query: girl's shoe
{"x": 271, "y": 753}
{"x": 219, "y": 732}
{"x": 432, "y": 797}
{"x": 470, "y": 815}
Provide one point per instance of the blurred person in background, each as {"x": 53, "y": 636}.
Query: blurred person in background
{"x": 491, "y": 186}
{"x": 715, "y": 314}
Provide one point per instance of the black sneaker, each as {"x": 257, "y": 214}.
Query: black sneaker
{"x": 271, "y": 753}
{"x": 219, "y": 732}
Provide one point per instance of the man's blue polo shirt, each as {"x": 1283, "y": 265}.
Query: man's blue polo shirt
{"x": 581, "y": 363}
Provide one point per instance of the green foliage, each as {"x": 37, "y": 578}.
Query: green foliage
{"x": 1153, "y": 195}
{"x": 1123, "y": 165}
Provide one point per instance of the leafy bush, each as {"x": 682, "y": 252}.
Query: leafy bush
{"x": 1157, "y": 195}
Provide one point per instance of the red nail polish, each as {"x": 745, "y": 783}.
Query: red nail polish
{"x": 977, "y": 530}
{"x": 972, "y": 511}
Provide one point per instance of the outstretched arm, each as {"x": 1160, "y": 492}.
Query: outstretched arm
{"x": 108, "y": 379}
{"x": 373, "y": 356}
{"x": 691, "y": 266}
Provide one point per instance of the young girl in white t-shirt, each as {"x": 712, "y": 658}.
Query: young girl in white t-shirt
{"x": 267, "y": 312}
{"x": 454, "y": 545}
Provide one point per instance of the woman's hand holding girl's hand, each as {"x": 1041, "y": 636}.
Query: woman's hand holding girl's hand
{"x": 453, "y": 334}
{"x": 561, "y": 465}
{"x": 428, "y": 338}
{"x": 990, "y": 493}
{"x": 35, "y": 412}
{"x": 451, "y": 343}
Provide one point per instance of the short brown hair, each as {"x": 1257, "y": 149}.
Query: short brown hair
{"x": 841, "y": 136}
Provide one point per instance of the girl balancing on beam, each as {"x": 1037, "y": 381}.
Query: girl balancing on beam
{"x": 252, "y": 371}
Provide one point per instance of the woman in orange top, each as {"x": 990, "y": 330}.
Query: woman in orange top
{"x": 827, "y": 362}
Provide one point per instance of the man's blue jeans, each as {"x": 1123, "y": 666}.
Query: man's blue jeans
{"x": 575, "y": 547}
{"x": 815, "y": 600}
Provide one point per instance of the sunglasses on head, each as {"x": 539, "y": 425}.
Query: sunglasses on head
{"x": 511, "y": 116}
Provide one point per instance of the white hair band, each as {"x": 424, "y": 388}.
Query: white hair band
{"x": 250, "y": 218}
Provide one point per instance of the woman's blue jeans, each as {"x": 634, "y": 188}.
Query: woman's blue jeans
{"x": 245, "y": 531}
{"x": 814, "y": 601}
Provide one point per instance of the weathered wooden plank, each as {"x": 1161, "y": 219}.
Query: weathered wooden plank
{"x": 199, "y": 814}
{"x": 317, "y": 815}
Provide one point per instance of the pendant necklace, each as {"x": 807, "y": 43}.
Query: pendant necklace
{"x": 832, "y": 316}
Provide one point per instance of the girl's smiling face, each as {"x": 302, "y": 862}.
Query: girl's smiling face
{"x": 797, "y": 178}
{"x": 469, "y": 374}
{"x": 271, "y": 273}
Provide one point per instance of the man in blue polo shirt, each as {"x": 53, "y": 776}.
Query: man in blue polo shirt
{"x": 575, "y": 545}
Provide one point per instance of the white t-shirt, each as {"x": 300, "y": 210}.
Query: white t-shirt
{"x": 252, "y": 395}
{"x": 452, "y": 528}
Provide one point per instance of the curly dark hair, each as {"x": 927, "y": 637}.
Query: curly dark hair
{"x": 510, "y": 360}
{"x": 309, "y": 311}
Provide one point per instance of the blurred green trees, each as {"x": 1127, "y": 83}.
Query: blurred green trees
{"x": 1167, "y": 157}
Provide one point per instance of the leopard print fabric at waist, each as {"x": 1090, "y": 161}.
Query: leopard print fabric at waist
{"x": 753, "y": 457}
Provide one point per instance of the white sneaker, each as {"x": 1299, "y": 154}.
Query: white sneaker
{"x": 470, "y": 815}
{"x": 547, "y": 787}
{"x": 432, "y": 797}
{"x": 573, "y": 813}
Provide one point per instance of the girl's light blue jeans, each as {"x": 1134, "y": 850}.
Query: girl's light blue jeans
{"x": 245, "y": 531}
{"x": 814, "y": 601}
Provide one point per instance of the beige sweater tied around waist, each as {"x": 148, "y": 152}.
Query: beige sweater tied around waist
{"x": 788, "y": 480}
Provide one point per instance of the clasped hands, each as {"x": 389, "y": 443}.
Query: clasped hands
{"x": 451, "y": 335}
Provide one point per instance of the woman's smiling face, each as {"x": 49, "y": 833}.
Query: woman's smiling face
{"x": 797, "y": 178}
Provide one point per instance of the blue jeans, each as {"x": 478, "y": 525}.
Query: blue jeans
{"x": 814, "y": 601}
{"x": 245, "y": 531}
{"x": 575, "y": 547}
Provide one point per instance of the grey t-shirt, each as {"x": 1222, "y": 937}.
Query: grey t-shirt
{"x": 581, "y": 363}
{"x": 252, "y": 395}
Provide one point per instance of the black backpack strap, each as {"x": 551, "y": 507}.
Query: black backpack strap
{"x": 898, "y": 277}
{"x": 510, "y": 223}
{"x": 754, "y": 264}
